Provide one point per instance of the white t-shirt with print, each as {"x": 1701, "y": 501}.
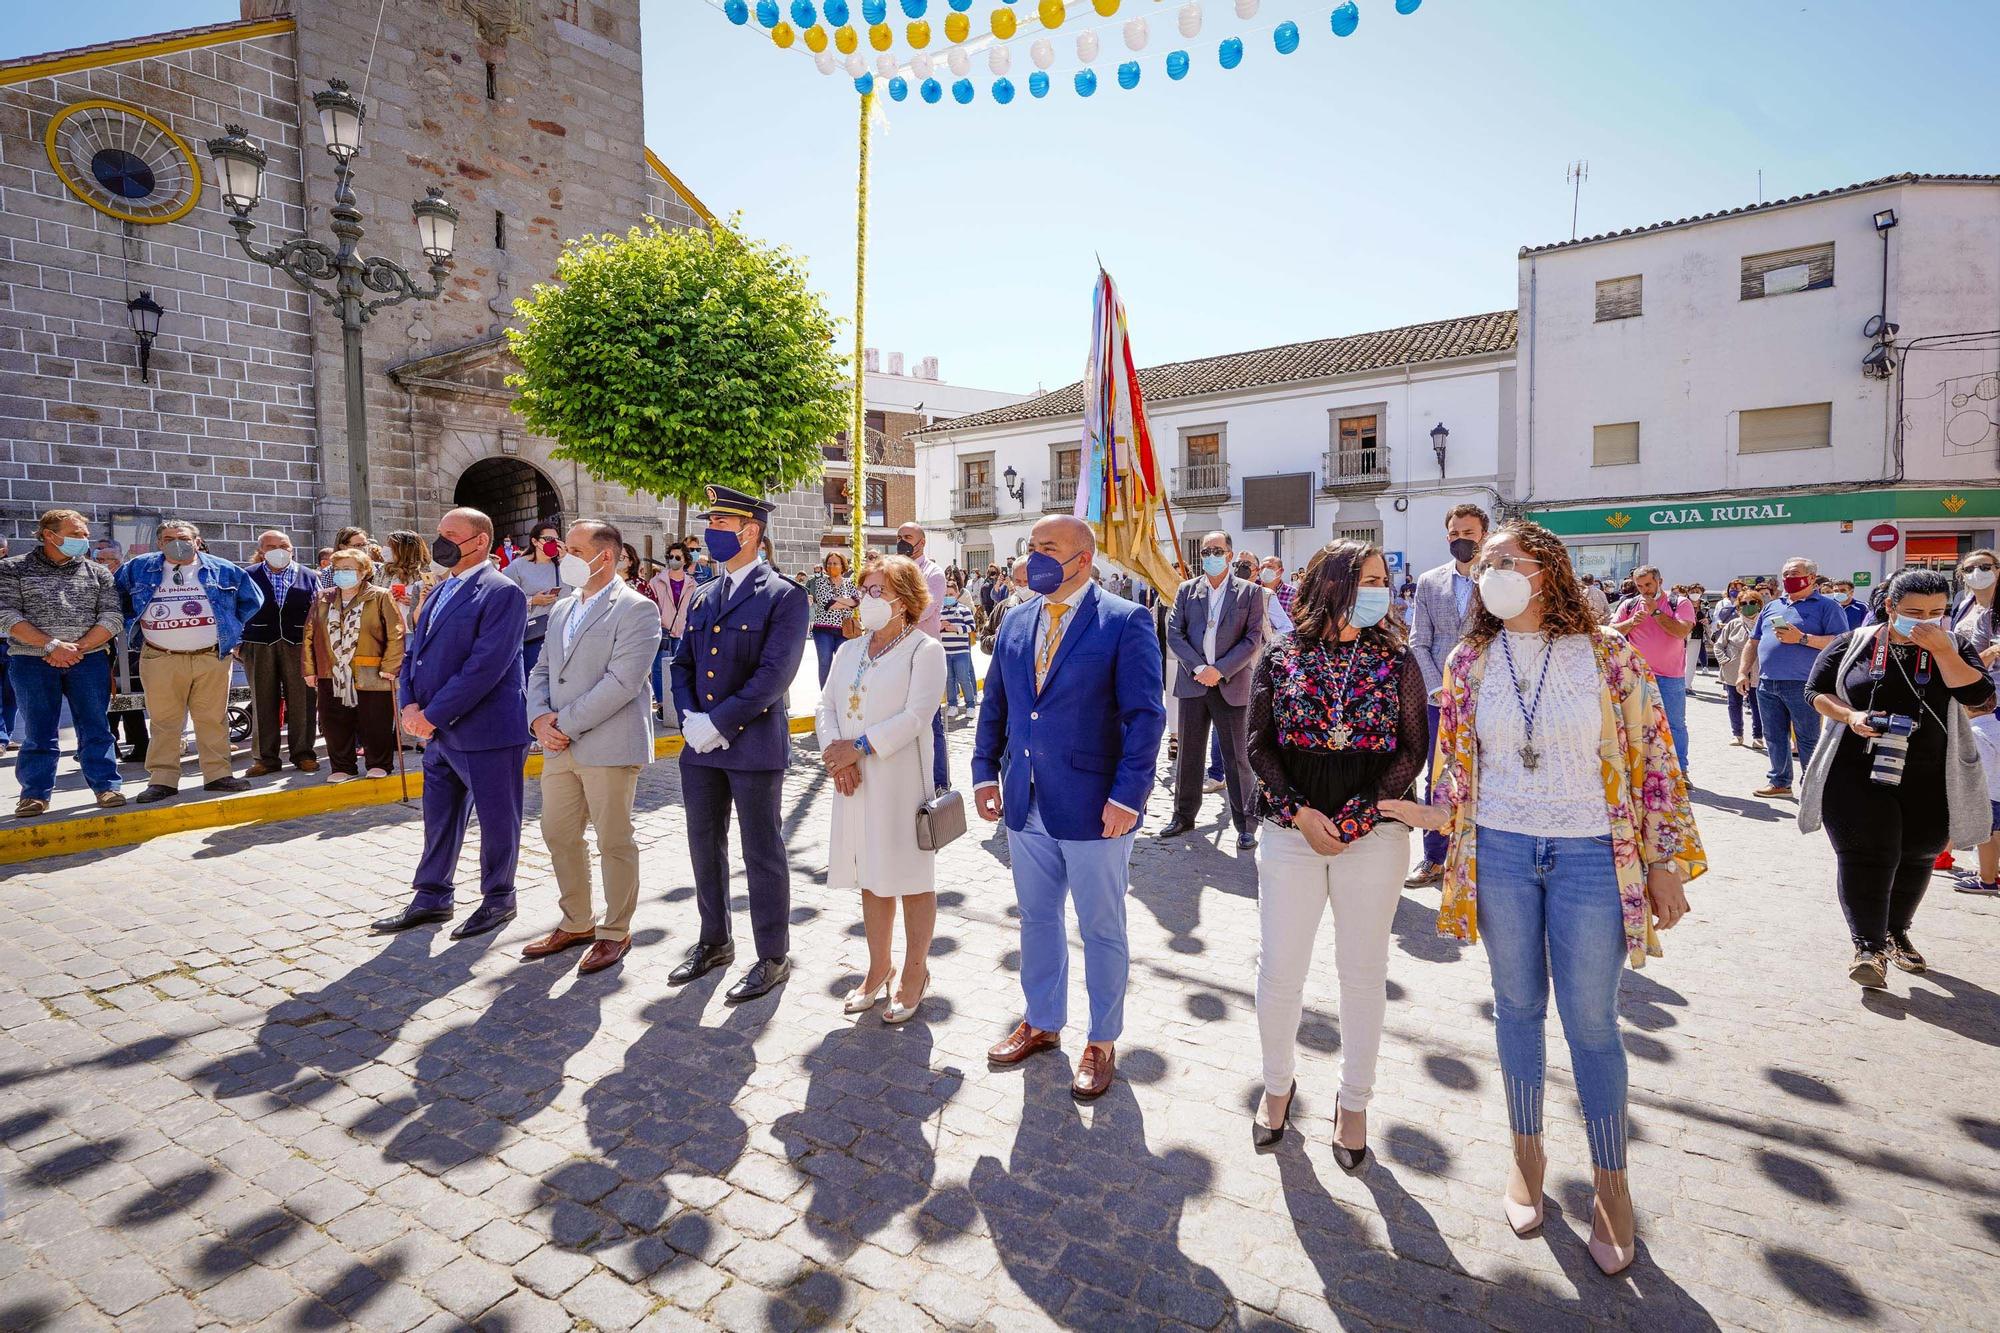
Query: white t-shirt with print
{"x": 179, "y": 618}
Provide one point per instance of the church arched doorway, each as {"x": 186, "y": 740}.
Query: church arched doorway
{"x": 514, "y": 494}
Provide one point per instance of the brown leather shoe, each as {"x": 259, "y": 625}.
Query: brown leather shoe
{"x": 556, "y": 941}
{"x": 260, "y": 768}
{"x": 306, "y": 765}
{"x": 1093, "y": 1074}
{"x": 1021, "y": 1043}
{"x": 603, "y": 954}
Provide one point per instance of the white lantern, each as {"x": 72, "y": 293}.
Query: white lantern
{"x": 885, "y": 65}
{"x": 1135, "y": 34}
{"x": 437, "y": 222}
{"x": 1190, "y": 19}
{"x": 1246, "y": 9}
{"x": 823, "y": 62}
{"x": 921, "y": 66}
{"x": 960, "y": 64}
{"x": 1043, "y": 53}
{"x": 1086, "y": 47}
{"x": 856, "y": 66}
{"x": 998, "y": 60}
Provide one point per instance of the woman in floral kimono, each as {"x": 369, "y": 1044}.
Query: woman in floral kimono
{"x": 1571, "y": 837}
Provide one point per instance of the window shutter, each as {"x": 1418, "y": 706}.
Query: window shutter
{"x": 1619, "y": 298}
{"x": 1614, "y": 444}
{"x": 1770, "y": 430}
{"x": 1370, "y": 533}
{"x": 1805, "y": 269}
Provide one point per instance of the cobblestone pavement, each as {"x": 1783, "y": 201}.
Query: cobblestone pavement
{"x": 222, "y": 1103}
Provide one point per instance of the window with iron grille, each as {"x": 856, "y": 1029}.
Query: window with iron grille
{"x": 1804, "y": 269}
{"x": 1620, "y": 298}
{"x": 1370, "y": 533}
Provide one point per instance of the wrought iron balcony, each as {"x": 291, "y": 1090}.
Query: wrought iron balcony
{"x": 1058, "y": 495}
{"x": 1356, "y": 469}
{"x": 1201, "y": 481}
{"x": 974, "y": 502}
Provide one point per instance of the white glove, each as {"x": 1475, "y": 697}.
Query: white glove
{"x": 700, "y": 733}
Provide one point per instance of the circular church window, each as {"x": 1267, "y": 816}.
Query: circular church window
{"x": 123, "y": 162}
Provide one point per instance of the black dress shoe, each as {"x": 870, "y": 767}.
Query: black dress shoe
{"x": 1175, "y": 828}
{"x": 765, "y": 975}
{"x": 1246, "y": 841}
{"x": 482, "y": 920}
{"x": 226, "y": 784}
{"x": 154, "y": 792}
{"x": 701, "y": 960}
{"x": 410, "y": 916}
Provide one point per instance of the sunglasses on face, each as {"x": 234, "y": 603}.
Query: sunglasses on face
{"x": 1984, "y": 566}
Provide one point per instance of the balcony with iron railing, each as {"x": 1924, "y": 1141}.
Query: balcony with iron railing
{"x": 1356, "y": 469}
{"x": 1058, "y": 495}
{"x": 1201, "y": 481}
{"x": 974, "y": 502}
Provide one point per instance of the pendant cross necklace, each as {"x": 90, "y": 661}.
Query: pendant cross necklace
{"x": 1531, "y": 758}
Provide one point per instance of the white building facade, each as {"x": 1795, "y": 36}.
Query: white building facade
{"x": 1694, "y": 395}
{"x": 1337, "y": 437}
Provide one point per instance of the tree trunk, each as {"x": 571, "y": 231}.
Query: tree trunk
{"x": 681, "y": 523}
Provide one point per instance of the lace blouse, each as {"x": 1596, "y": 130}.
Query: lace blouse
{"x": 1338, "y": 727}
{"x": 823, "y": 591}
{"x": 1562, "y": 796}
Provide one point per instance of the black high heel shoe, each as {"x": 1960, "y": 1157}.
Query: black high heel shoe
{"x": 1265, "y": 1138}
{"x": 1350, "y": 1160}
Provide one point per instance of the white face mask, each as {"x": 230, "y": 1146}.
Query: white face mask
{"x": 1269, "y": 576}
{"x": 1979, "y": 580}
{"x": 278, "y": 558}
{"x": 1505, "y": 592}
{"x": 573, "y": 570}
{"x": 875, "y": 613}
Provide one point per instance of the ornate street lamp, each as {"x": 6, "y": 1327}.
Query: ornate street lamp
{"x": 145, "y": 313}
{"x": 338, "y": 274}
{"x": 1439, "y": 435}
{"x": 1017, "y": 490}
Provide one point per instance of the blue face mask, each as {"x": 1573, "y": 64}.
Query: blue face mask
{"x": 1906, "y": 625}
{"x": 1045, "y": 572}
{"x": 75, "y": 547}
{"x": 1370, "y": 605}
{"x": 723, "y": 544}
{"x": 346, "y": 578}
{"x": 1212, "y": 565}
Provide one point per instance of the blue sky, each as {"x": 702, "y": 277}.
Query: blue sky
{"x": 1380, "y": 179}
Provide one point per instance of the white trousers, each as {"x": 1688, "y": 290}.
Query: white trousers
{"x": 1295, "y": 885}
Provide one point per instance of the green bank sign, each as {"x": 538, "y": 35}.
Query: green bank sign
{"x": 1669, "y": 515}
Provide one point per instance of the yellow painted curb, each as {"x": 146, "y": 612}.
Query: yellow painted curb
{"x": 128, "y": 826}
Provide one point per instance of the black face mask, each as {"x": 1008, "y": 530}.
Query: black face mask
{"x": 905, "y": 548}
{"x": 446, "y": 551}
{"x": 1464, "y": 549}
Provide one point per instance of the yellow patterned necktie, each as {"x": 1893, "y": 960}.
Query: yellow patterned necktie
{"x": 1057, "y": 610}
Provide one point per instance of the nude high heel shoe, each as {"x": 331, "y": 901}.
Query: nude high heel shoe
{"x": 860, "y": 1001}
{"x": 1610, "y": 1259}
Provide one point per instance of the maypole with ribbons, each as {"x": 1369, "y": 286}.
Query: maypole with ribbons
{"x": 857, "y": 442}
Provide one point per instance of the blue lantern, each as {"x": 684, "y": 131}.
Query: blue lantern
{"x": 1177, "y": 65}
{"x": 1038, "y": 84}
{"x": 914, "y": 8}
{"x": 864, "y": 84}
{"x": 1231, "y": 52}
{"x": 1407, "y": 6}
{"x": 960, "y": 6}
{"x": 874, "y": 11}
{"x": 1286, "y": 38}
{"x": 961, "y": 92}
{"x": 930, "y": 91}
{"x": 767, "y": 13}
{"x": 736, "y": 12}
{"x": 1003, "y": 91}
{"x": 1346, "y": 19}
{"x": 1128, "y": 75}
{"x": 803, "y": 14}
{"x": 836, "y": 13}
{"x": 899, "y": 88}
{"x": 1086, "y": 82}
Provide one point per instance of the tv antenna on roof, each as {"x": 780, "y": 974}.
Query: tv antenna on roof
{"x": 1576, "y": 175}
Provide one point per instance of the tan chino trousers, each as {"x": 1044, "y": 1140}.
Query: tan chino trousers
{"x": 176, "y": 685}
{"x": 574, "y": 795}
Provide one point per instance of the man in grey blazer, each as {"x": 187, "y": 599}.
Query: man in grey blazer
{"x": 1437, "y": 623}
{"x": 1215, "y": 631}
{"x": 590, "y": 704}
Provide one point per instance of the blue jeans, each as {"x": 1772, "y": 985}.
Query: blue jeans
{"x": 1674, "y": 698}
{"x": 1737, "y": 699}
{"x": 940, "y": 769}
{"x": 1549, "y": 912}
{"x": 40, "y": 689}
{"x": 6, "y": 698}
{"x": 1785, "y": 710}
{"x": 959, "y": 680}
{"x": 1436, "y": 845}
{"x": 826, "y": 642}
{"x": 531, "y": 653}
{"x": 668, "y": 647}
{"x": 1091, "y": 873}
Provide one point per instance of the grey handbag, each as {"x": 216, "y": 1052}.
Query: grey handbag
{"x": 940, "y": 819}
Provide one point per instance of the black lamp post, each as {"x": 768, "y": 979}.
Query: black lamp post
{"x": 1018, "y": 492}
{"x": 314, "y": 264}
{"x": 1439, "y": 437}
{"x": 145, "y": 313}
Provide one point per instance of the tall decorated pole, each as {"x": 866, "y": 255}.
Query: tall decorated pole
{"x": 857, "y": 442}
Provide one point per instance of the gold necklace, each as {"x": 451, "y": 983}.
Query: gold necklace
{"x": 867, "y": 664}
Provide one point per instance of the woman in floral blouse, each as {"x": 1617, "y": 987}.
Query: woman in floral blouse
{"x": 834, "y": 597}
{"x": 1337, "y": 725}
{"x": 1570, "y": 840}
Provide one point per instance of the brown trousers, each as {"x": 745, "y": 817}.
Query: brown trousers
{"x": 277, "y": 680}
{"x": 372, "y": 720}
{"x": 574, "y": 795}
{"x": 178, "y": 685}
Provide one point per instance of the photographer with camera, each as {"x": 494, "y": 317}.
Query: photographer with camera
{"x": 1897, "y": 777}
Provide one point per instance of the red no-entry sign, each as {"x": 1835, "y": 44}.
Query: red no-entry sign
{"x": 1883, "y": 537}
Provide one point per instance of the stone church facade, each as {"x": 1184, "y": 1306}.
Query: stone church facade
{"x": 529, "y": 115}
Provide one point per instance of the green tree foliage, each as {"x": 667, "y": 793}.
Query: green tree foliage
{"x": 666, "y": 360}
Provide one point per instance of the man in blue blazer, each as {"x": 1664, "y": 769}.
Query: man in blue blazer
{"x": 463, "y": 690}
{"x": 1073, "y": 702}
{"x": 732, "y": 680}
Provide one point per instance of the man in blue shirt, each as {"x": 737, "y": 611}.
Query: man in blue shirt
{"x": 1784, "y": 644}
{"x": 1856, "y": 612}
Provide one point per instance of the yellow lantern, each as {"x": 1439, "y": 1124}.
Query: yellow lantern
{"x": 1003, "y": 23}
{"x": 919, "y": 34}
{"x": 957, "y": 27}
{"x": 880, "y": 37}
{"x": 782, "y": 34}
{"x": 1107, "y": 7}
{"x": 1051, "y": 12}
{"x": 815, "y": 39}
{"x": 844, "y": 40}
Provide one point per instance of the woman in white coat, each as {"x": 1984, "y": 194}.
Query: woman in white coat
{"x": 875, "y": 714}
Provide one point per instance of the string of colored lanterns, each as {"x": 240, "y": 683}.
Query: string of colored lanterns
{"x": 800, "y": 23}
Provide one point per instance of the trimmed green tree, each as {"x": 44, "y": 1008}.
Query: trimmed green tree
{"x": 666, "y": 360}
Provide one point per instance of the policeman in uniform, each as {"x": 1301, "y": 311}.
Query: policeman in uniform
{"x": 732, "y": 680}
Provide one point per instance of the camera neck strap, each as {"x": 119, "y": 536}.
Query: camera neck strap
{"x": 1880, "y": 666}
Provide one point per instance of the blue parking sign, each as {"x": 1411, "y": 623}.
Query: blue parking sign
{"x": 1395, "y": 559}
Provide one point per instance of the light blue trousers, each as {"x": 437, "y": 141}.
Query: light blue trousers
{"x": 1093, "y": 874}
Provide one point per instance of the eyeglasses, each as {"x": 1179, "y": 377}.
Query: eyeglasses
{"x": 1984, "y": 566}
{"x": 1508, "y": 563}
{"x": 1215, "y": 550}
{"x": 875, "y": 590}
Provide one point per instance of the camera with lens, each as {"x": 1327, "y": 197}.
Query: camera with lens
{"x": 1890, "y": 747}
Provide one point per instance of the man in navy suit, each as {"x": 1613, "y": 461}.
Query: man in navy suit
{"x": 463, "y": 691}
{"x": 732, "y": 680}
{"x": 1073, "y": 701}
